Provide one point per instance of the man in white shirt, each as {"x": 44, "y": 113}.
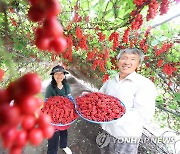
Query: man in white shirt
{"x": 138, "y": 95}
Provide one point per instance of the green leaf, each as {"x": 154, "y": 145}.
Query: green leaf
{"x": 164, "y": 26}
{"x": 159, "y": 102}
{"x": 173, "y": 107}
{"x": 177, "y": 96}
{"x": 18, "y": 46}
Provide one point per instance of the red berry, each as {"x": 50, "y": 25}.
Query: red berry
{"x": 30, "y": 83}
{"x": 53, "y": 8}
{"x": 1, "y": 74}
{"x": 36, "y": 13}
{"x": 59, "y": 45}
{"x": 42, "y": 43}
{"x": 52, "y": 27}
{"x": 35, "y": 136}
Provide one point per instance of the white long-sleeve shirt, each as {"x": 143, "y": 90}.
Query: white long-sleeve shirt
{"x": 138, "y": 95}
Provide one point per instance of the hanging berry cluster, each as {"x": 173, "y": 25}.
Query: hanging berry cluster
{"x": 165, "y": 47}
{"x": 115, "y": 37}
{"x": 99, "y": 58}
{"x": 164, "y": 7}
{"x": 18, "y": 122}
{"x": 152, "y": 11}
{"x": 126, "y": 35}
{"x": 169, "y": 69}
{"x": 81, "y": 39}
{"x": 137, "y": 22}
{"x": 49, "y": 36}
{"x": 68, "y": 54}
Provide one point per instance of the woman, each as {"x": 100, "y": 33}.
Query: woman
{"x": 58, "y": 87}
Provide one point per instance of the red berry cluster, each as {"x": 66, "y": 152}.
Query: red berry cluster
{"x": 114, "y": 63}
{"x": 137, "y": 22}
{"x": 160, "y": 62}
{"x": 83, "y": 43}
{"x": 152, "y": 11}
{"x": 99, "y": 62}
{"x": 101, "y": 36}
{"x": 82, "y": 39}
{"x": 105, "y": 77}
{"x": 99, "y": 107}
{"x": 60, "y": 109}
{"x": 115, "y": 37}
{"x": 77, "y": 17}
{"x": 146, "y": 34}
{"x": 100, "y": 58}
{"x": 164, "y": 6}
{"x": 79, "y": 33}
{"x": 68, "y": 54}
{"x": 1, "y": 74}
{"x": 13, "y": 21}
{"x": 19, "y": 123}
{"x": 165, "y": 47}
{"x": 91, "y": 54}
{"x": 138, "y": 2}
{"x": 169, "y": 69}
{"x": 126, "y": 35}
{"x": 50, "y": 35}
{"x": 143, "y": 45}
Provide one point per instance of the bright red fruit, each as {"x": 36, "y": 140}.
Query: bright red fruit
{"x": 9, "y": 115}
{"x": 27, "y": 104}
{"x": 59, "y": 45}
{"x": 14, "y": 90}
{"x": 21, "y": 138}
{"x": 53, "y": 8}
{"x": 30, "y": 83}
{"x": 28, "y": 122}
{"x": 1, "y": 74}
{"x": 52, "y": 27}
{"x": 9, "y": 136}
{"x": 44, "y": 120}
{"x": 35, "y": 136}
{"x": 48, "y": 131}
{"x": 36, "y": 13}
{"x": 42, "y": 42}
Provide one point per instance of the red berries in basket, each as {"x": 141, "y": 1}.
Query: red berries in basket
{"x": 99, "y": 107}
{"x": 60, "y": 109}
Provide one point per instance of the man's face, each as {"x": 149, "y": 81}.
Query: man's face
{"x": 128, "y": 63}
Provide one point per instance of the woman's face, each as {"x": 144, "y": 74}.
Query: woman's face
{"x": 128, "y": 63}
{"x": 59, "y": 76}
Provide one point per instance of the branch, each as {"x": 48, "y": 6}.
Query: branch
{"x": 105, "y": 10}
{"x": 164, "y": 79}
{"x": 175, "y": 16}
{"x": 166, "y": 110}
